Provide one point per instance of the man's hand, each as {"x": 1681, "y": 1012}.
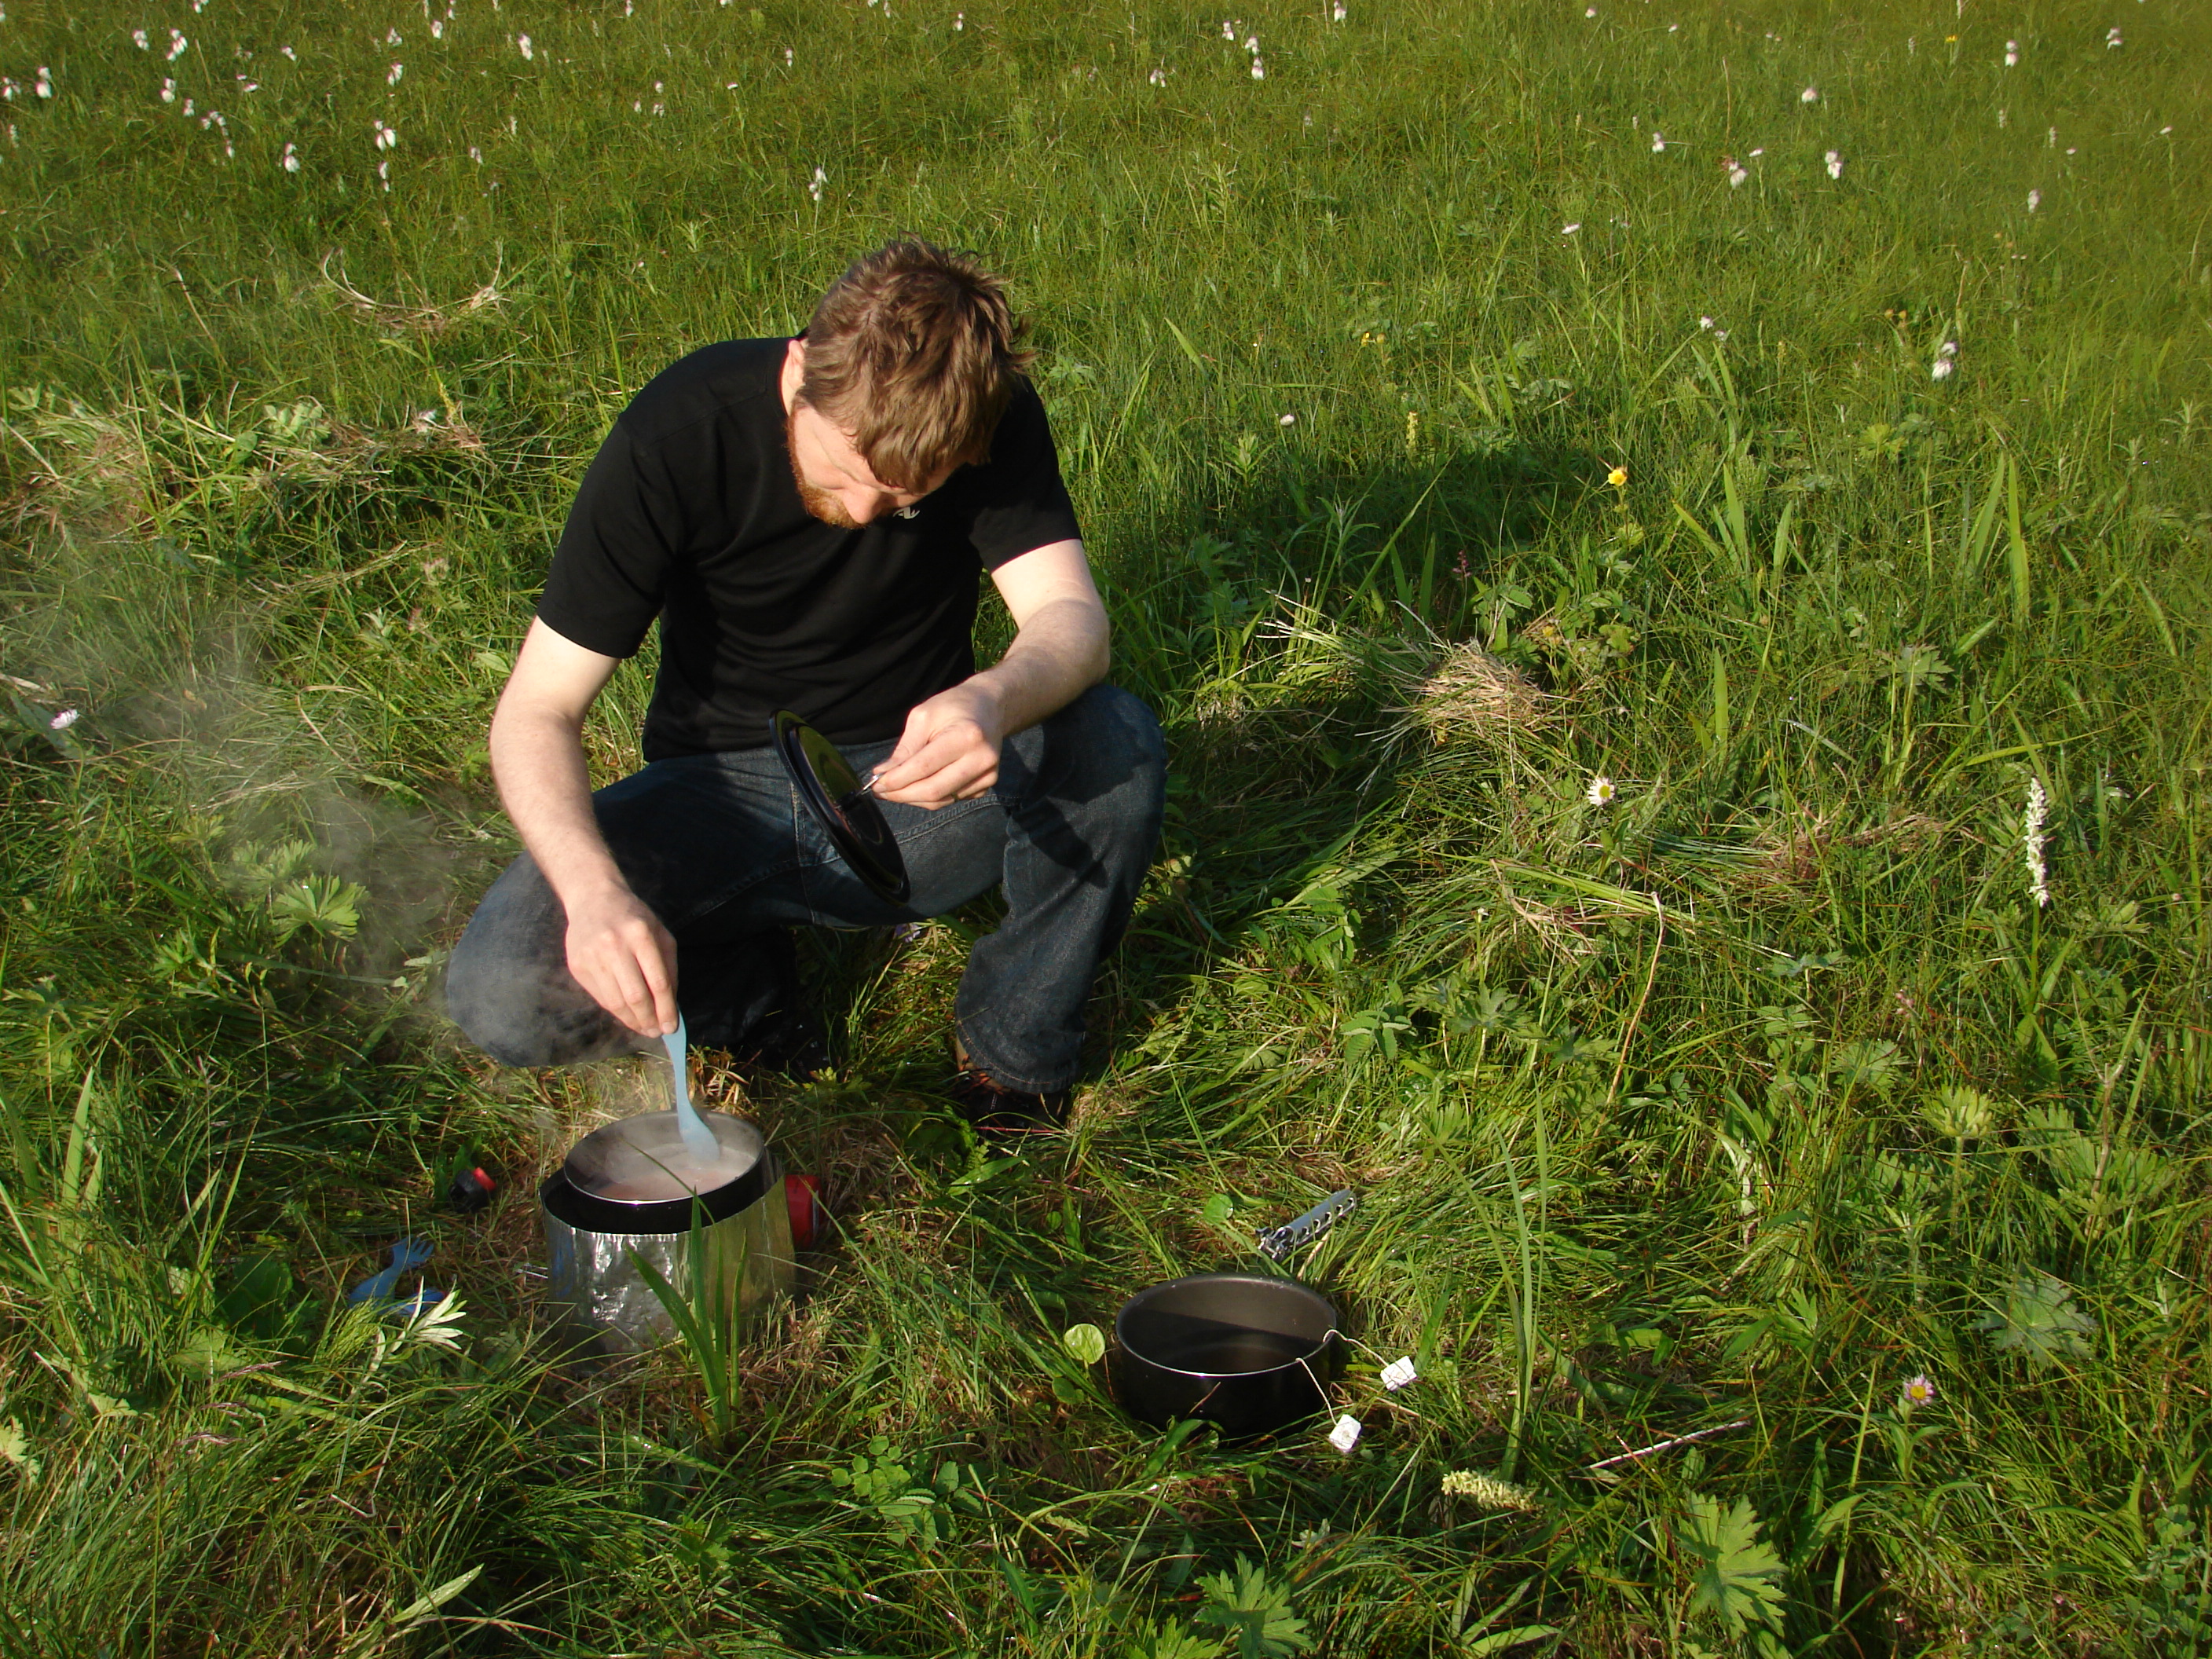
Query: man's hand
{"x": 950, "y": 748}
{"x": 621, "y": 954}
{"x": 949, "y": 751}
{"x": 617, "y": 949}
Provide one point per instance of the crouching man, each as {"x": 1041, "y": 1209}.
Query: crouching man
{"x": 807, "y": 519}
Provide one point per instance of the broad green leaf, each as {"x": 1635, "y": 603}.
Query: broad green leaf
{"x": 1733, "y": 1573}
{"x": 1255, "y": 1610}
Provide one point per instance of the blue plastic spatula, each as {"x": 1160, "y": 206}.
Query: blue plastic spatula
{"x": 698, "y": 1139}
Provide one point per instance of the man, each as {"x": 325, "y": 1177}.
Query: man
{"x": 806, "y": 520}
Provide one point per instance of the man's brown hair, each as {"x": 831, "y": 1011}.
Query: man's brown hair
{"x": 914, "y": 352}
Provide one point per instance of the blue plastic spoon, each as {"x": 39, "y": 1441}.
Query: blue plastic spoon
{"x": 699, "y": 1140}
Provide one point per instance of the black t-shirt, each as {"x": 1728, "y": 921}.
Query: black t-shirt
{"x": 690, "y": 514}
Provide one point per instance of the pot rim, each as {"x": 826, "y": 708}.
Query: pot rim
{"x": 714, "y": 1121}
{"x": 1303, "y": 1360}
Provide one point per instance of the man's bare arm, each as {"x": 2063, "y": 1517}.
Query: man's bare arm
{"x": 950, "y": 748}
{"x": 617, "y": 949}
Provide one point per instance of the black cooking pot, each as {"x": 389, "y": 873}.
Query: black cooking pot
{"x": 1249, "y": 1353}
{"x": 565, "y": 1202}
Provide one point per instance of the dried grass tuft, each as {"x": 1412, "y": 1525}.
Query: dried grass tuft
{"x": 1793, "y": 859}
{"x": 430, "y": 320}
{"x": 1473, "y": 693}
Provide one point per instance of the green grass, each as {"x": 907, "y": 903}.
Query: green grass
{"x": 1741, "y": 1100}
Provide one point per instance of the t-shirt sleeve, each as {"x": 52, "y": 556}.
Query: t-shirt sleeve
{"x": 1019, "y": 502}
{"x": 610, "y": 571}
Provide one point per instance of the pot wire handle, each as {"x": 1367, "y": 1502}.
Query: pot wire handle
{"x": 1279, "y": 1243}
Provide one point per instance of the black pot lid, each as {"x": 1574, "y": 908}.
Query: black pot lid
{"x": 834, "y": 794}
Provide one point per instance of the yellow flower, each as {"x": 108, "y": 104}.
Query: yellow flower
{"x": 1618, "y": 477}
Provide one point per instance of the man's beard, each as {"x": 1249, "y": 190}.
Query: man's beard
{"x": 819, "y": 502}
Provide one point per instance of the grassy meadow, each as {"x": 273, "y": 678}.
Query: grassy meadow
{"x": 1669, "y": 541}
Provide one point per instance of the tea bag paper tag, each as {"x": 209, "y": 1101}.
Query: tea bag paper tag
{"x": 1399, "y": 1372}
{"x": 1345, "y": 1435}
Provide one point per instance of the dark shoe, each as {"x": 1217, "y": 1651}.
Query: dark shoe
{"x": 990, "y": 1108}
{"x": 785, "y": 1045}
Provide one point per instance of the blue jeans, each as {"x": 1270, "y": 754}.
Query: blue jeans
{"x": 723, "y": 850}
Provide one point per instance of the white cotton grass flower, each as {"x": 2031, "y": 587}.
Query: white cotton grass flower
{"x": 1835, "y": 165}
{"x": 290, "y": 161}
{"x": 1488, "y": 1491}
{"x": 1336, "y": 12}
{"x": 437, "y": 28}
{"x": 1940, "y": 369}
{"x": 1252, "y": 45}
{"x": 2112, "y": 38}
{"x": 2031, "y": 841}
{"x": 1158, "y": 77}
{"x": 392, "y": 37}
{"x": 1738, "y": 178}
{"x": 1286, "y": 420}
{"x": 1704, "y": 322}
{"x": 384, "y": 175}
{"x": 959, "y": 22}
{"x": 63, "y": 720}
{"x": 1259, "y": 69}
{"x": 2034, "y": 200}
{"x": 1589, "y": 11}
{"x": 138, "y": 40}
{"x": 1601, "y": 791}
{"x": 178, "y": 46}
{"x": 44, "y": 85}
{"x": 289, "y": 53}
{"x": 522, "y": 44}
{"x": 386, "y": 137}
{"x": 1658, "y": 141}
{"x": 189, "y": 111}
{"x": 814, "y": 187}
{"x": 2012, "y": 54}
{"x": 169, "y": 89}
{"x": 476, "y": 155}
{"x": 1810, "y": 95}
{"x": 787, "y": 57}
{"x": 1570, "y": 229}
{"x": 391, "y": 76}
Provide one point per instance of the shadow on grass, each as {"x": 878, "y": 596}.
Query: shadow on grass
{"x": 1275, "y": 763}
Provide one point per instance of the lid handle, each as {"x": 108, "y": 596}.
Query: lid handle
{"x": 1280, "y": 1243}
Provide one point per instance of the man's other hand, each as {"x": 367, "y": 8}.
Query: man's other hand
{"x": 949, "y": 751}
{"x": 621, "y": 954}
